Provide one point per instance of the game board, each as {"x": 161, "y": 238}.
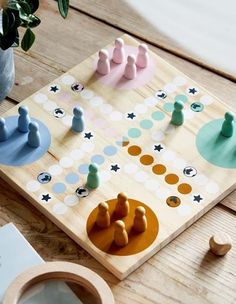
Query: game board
{"x": 177, "y": 173}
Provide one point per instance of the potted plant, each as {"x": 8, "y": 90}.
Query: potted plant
{"x": 15, "y": 14}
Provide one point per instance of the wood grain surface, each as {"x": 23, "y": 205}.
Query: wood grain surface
{"x": 177, "y": 27}
{"x": 184, "y": 271}
{"x": 171, "y": 222}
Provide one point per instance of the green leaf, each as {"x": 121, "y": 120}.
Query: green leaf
{"x": 31, "y": 21}
{"x": 28, "y": 40}
{"x": 12, "y": 4}
{"x": 34, "y": 4}
{"x": 8, "y": 21}
{"x": 24, "y": 9}
{"x": 7, "y": 40}
{"x": 63, "y": 6}
{"x": 16, "y": 13}
{"x": 5, "y": 22}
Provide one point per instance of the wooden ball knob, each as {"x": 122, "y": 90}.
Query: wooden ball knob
{"x": 220, "y": 243}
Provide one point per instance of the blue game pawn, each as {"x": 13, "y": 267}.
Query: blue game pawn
{"x": 23, "y": 120}
{"x": 4, "y": 134}
{"x": 78, "y": 120}
{"x": 34, "y": 139}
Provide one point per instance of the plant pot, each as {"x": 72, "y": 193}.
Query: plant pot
{"x": 7, "y": 72}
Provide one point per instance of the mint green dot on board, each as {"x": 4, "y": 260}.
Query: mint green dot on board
{"x": 134, "y": 132}
{"x": 146, "y": 124}
{"x": 158, "y": 115}
{"x": 168, "y": 107}
{"x": 182, "y": 98}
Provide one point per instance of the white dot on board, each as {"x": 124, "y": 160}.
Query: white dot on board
{"x": 206, "y": 100}
{"x": 184, "y": 210}
{"x": 116, "y": 115}
{"x": 40, "y": 98}
{"x": 150, "y": 101}
{"x": 33, "y": 186}
{"x": 170, "y": 87}
{"x": 55, "y": 170}
{"x": 130, "y": 168}
{"x": 188, "y": 114}
{"x": 140, "y": 108}
{"x": 100, "y": 123}
{"x": 179, "y": 163}
{"x": 169, "y": 129}
{"x": 96, "y": 101}
{"x": 77, "y": 154}
{"x": 71, "y": 200}
{"x": 162, "y": 193}
{"x": 106, "y": 108}
{"x": 87, "y": 147}
{"x": 152, "y": 184}
{"x": 86, "y": 94}
{"x": 68, "y": 79}
{"x": 157, "y": 135}
{"x": 200, "y": 179}
{"x": 179, "y": 81}
{"x": 168, "y": 155}
{"x": 60, "y": 208}
{"x": 50, "y": 105}
{"x": 140, "y": 176}
{"x": 105, "y": 176}
{"x": 66, "y": 162}
{"x": 212, "y": 187}
{"x": 67, "y": 120}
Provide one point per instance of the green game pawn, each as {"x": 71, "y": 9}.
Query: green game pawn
{"x": 177, "y": 118}
{"x": 227, "y": 128}
{"x": 93, "y": 177}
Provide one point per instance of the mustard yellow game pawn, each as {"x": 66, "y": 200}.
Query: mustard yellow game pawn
{"x": 103, "y": 217}
{"x": 220, "y": 243}
{"x": 140, "y": 220}
{"x": 121, "y": 238}
{"x": 122, "y": 205}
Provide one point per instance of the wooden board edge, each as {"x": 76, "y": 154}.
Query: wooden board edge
{"x": 119, "y": 275}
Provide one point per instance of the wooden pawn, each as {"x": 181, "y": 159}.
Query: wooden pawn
{"x": 120, "y": 235}
{"x": 140, "y": 220}
{"x": 103, "y": 216}
{"x": 122, "y": 205}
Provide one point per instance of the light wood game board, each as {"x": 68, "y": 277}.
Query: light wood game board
{"x": 177, "y": 173}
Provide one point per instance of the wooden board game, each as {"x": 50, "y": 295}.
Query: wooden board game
{"x": 176, "y": 173}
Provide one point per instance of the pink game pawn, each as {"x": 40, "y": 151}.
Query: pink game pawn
{"x": 130, "y": 68}
{"x": 103, "y": 66}
{"x": 118, "y": 52}
{"x": 143, "y": 56}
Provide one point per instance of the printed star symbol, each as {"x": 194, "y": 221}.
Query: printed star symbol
{"x": 131, "y": 115}
{"x": 115, "y": 168}
{"x": 197, "y": 198}
{"x": 46, "y": 197}
{"x": 158, "y": 148}
{"x": 54, "y": 89}
{"x": 88, "y": 135}
{"x": 192, "y": 90}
